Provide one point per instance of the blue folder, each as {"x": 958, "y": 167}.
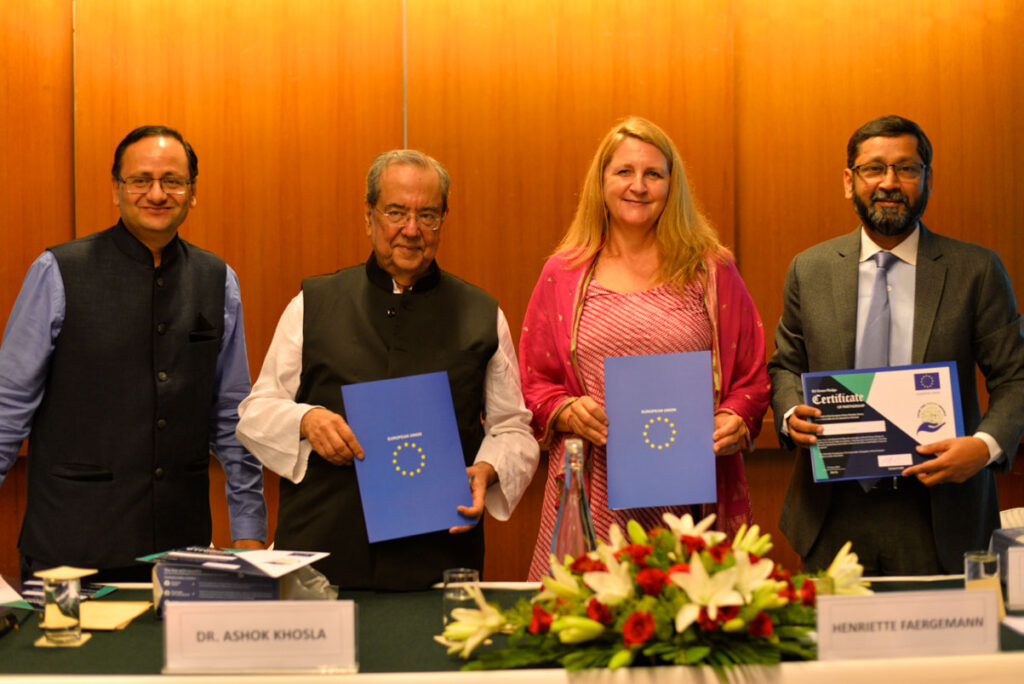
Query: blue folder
{"x": 413, "y": 475}
{"x": 660, "y": 419}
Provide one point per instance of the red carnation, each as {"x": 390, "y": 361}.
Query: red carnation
{"x": 722, "y": 615}
{"x": 808, "y": 592}
{"x": 761, "y": 625}
{"x": 718, "y": 552}
{"x": 541, "y": 621}
{"x": 705, "y": 621}
{"x": 587, "y": 564}
{"x": 651, "y": 580}
{"x": 692, "y": 544}
{"x": 726, "y": 613}
{"x": 599, "y": 612}
{"x": 679, "y": 567}
{"x": 638, "y": 628}
{"x": 636, "y": 552}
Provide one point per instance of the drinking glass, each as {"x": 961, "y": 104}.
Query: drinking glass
{"x": 61, "y": 624}
{"x": 456, "y": 591}
{"x": 981, "y": 571}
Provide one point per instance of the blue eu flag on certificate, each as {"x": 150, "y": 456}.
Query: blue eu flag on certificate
{"x": 926, "y": 381}
{"x": 413, "y": 475}
{"x": 660, "y": 418}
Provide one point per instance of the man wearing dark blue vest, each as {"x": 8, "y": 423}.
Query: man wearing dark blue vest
{"x": 123, "y": 361}
{"x": 398, "y": 314}
{"x": 938, "y": 299}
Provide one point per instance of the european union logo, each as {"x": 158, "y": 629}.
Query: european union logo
{"x": 410, "y": 463}
{"x": 926, "y": 381}
{"x": 659, "y": 433}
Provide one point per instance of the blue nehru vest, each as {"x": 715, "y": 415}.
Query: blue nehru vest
{"x": 119, "y": 447}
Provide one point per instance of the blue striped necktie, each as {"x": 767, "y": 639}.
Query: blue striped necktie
{"x": 873, "y": 351}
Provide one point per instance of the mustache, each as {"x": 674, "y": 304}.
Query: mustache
{"x": 890, "y": 196}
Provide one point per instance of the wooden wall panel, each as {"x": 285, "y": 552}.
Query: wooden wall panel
{"x": 810, "y": 72}
{"x": 286, "y": 104}
{"x": 513, "y": 98}
{"x": 35, "y": 176}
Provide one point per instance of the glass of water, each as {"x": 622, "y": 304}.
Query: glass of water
{"x": 61, "y": 623}
{"x": 456, "y": 591}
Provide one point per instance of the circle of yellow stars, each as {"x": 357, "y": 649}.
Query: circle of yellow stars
{"x": 417, "y": 455}
{"x": 659, "y": 422}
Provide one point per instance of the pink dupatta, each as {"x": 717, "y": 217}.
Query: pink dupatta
{"x": 551, "y": 380}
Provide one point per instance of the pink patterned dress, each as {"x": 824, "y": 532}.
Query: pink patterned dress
{"x": 656, "y": 321}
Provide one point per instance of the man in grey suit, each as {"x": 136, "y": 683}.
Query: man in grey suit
{"x": 949, "y": 301}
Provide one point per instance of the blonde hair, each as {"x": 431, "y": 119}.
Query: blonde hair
{"x": 683, "y": 235}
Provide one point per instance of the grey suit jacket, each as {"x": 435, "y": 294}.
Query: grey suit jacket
{"x": 964, "y": 311}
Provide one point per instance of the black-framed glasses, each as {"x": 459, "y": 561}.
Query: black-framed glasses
{"x": 875, "y": 171}
{"x": 140, "y": 185}
{"x": 426, "y": 220}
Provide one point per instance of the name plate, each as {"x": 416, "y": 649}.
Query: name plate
{"x": 259, "y": 636}
{"x": 912, "y": 623}
{"x": 1015, "y": 578}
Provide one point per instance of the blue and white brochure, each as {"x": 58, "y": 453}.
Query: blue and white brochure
{"x": 660, "y": 411}
{"x": 874, "y": 418}
{"x": 413, "y": 476}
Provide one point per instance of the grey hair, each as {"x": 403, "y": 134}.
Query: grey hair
{"x": 414, "y": 157}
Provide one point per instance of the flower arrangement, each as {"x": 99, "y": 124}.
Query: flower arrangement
{"x": 679, "y": 595}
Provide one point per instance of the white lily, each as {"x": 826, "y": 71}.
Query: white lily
{"x": 562, "y": 585}
{"x": 705, "y": 591}
{"x": 471, "y": 626}
{"x": 846, "y": 572}
{"x": 685, "y": 527}
{"x": 752, "y": 541}
{"x": 616, "y": 539}
{"x": 750, "y": 576}
{"x": 614, "y": 585}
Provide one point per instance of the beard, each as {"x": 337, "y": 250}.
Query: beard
{"x": 891, "y": 221}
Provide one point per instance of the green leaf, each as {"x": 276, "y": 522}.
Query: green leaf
{"x": 695, "y": 654}
{"x": 581, "y": 659}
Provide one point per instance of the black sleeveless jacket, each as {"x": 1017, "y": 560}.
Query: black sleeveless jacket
{"x": 119, "y": 446}
{"x": 356, "y": 329}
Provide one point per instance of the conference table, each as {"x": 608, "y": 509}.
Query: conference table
{"x": 395, "y": 646}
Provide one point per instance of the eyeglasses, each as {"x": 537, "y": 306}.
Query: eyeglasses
{"x": 140, "y": 185}
{"x": 426, "y": 220}
{"x": 875, "y": 171}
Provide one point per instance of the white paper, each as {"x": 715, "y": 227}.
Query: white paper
{"x": 7, "y": 593}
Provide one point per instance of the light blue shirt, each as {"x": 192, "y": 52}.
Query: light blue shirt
{"x": 29, "y": 341}
{"x": 901, "y": 280}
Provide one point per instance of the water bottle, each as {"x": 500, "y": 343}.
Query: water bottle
{"x": 574, "y": 530}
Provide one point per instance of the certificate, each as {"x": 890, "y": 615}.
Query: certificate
{"x": 875, "y": 418}
{"x": 660, "y": 418}
{"x": 413, "y": 475}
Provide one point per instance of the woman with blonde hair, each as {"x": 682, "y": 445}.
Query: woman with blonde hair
{"x": 639, "y": 271}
